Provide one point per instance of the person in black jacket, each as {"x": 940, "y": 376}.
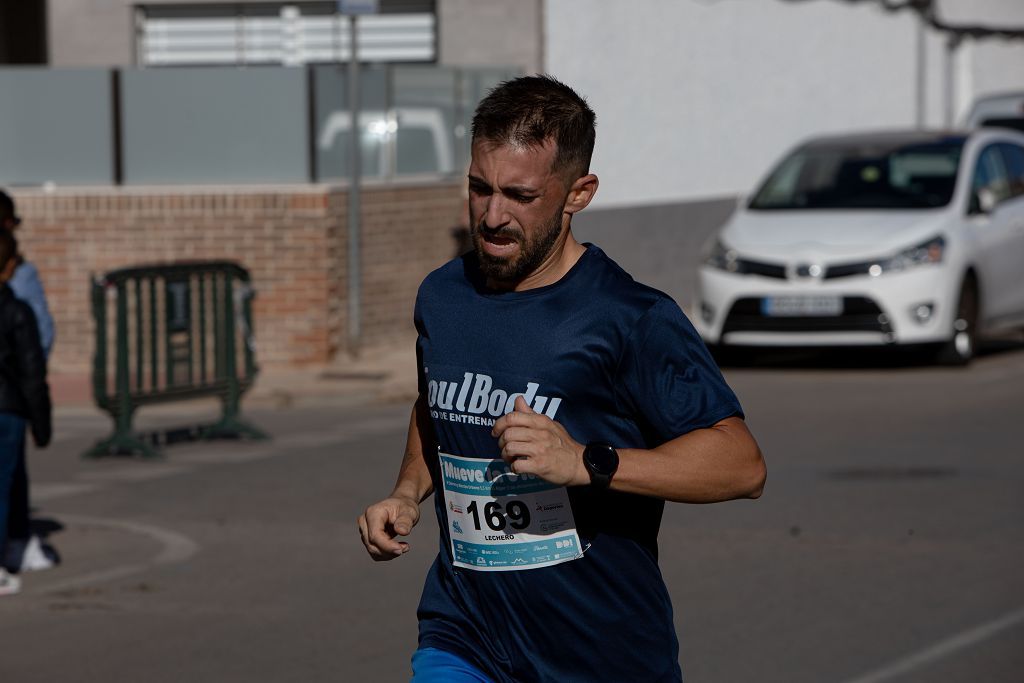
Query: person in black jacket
{"x": 26, "y": 551}
{"x": 24, "y": 393}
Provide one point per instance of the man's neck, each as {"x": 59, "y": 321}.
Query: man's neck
{"x": 550, "y": 272}
{"x": 564, "y": 255}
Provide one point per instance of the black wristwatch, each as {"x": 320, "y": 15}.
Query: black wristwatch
{"x": 601, "y": 460}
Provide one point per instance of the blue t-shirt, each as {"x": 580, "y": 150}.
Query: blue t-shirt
{"x": 611, "y": 360}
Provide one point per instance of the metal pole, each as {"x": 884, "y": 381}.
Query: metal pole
{"x": 354, "y": 167}
{"x": 922, "y": 72}
{"x": 949, "y": 65}
{"x": 124, "y": 390}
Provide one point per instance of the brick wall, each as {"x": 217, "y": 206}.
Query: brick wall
{"x": 293, "y": 241}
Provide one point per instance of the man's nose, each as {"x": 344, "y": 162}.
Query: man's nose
{"x": 496, "y": 214}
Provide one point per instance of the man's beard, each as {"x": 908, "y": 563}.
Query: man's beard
{"x": 532, "y": 253}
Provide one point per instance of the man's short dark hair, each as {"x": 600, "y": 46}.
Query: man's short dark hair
{"x": 527, "y": 111}
{"x": 7, "y": 209}
{"x": 8, "y": 247}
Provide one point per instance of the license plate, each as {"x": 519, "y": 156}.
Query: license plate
{"x": 796, "y": 306}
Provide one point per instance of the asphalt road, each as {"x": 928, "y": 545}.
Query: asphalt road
{"x": 888, "y": 546}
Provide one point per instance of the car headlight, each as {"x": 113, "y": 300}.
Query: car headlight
{"x": 931, "y": 251}
{"x": 721, "y": 257}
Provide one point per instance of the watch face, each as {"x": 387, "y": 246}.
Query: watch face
{"x": 602, "y": 458}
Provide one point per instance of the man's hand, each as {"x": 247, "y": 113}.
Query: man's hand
{"x": 378, "y": 526}
{"x": 41, "y": 436}
{"x": 535, "y": 444}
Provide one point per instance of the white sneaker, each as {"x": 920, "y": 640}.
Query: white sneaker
{"x": 9, "y": 584}
{"x": 29, "y": 556}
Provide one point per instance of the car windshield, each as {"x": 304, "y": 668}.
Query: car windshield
{"x": 863, "y": 175}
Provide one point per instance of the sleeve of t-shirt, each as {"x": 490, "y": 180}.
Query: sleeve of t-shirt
{"x": 28, "y": 287}
{"x": 668, "y": 379}
{"x": 417, "y": 319}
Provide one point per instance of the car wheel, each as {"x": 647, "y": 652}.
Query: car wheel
{"x": 962, "y": 344}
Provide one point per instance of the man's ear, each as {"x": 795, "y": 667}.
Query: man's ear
{"x": 580, "y": 193}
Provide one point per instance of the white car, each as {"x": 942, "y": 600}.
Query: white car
{"x": 874, "y": 239}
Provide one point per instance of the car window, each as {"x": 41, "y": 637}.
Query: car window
{"x": 990, "y": 176}
{"x": 1013, "y": 158}
{"x": 867, "y": 175}
{"x": 1016, "y": 123}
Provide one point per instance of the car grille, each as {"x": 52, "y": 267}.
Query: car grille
{"x": 763, "y": 269}
{"x": 848, "y": 269}
{"x": 778, "y": 271}
{"x": 859, "y": 315}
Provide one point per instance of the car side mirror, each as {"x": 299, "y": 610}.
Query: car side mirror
{"x": 982, "y": 201}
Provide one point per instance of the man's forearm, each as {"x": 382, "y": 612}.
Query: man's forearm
{"x": 719, "y": 463}
{"x": 414, "y": 475}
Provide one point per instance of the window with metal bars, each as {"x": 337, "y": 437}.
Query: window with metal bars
{"x": 282, "y": 33}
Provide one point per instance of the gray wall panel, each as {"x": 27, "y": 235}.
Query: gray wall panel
{"x": 55, "y": 126}
{"x": 333, "y": 120}
{"x": 221, "y": 125}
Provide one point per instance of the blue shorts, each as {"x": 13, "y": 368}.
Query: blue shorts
{"x": 431, "y": 665}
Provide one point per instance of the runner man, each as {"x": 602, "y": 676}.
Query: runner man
{"x": 560, "y": 404}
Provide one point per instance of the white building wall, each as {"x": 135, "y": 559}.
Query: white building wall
{"x": 988, "y": 66}
{"x": 697, "y": 98}
{"x": 994, "y": 66}
{"x": 90, "y": 33}
{"x": 490, "y": 33}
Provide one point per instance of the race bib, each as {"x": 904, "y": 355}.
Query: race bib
{"x": 502, "y": 521}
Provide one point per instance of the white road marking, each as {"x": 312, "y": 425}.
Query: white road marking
{"x": 943, "y": 648}
{"x": 53, "y": 490}
{"x": 175, "y": 548}
{"x": 134, "y": 474}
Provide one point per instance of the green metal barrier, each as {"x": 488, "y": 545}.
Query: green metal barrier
{"x": 177, "y": 332}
